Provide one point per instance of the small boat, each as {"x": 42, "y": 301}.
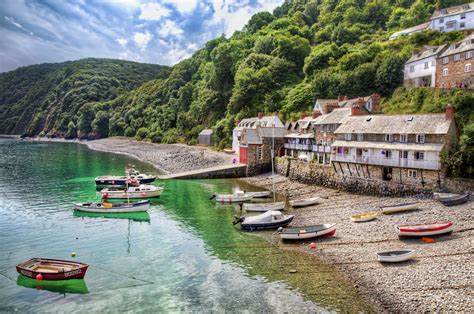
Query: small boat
{"x": 271, "y": 219}
{"x": 422, "y": 230}
{"x": 399, "y": 208}
{"x": 104, "y": 207}
{"x": 132, "y": 177}
{"x": 252, "y": 207}
{"x": 259, "y": 194}
{"x": 141, "y": 191}
{"x": 135, "y": 216}
{"x": 307, "y": 232}
{"x": 395, "y": 256}
{"x": 454, "y": 200}
{"x": 237, "y": 197}
{"x": 52, "y": 269}
{"x": 305, "y": 202}
{"x": 368, "y": 216}
{"x": 229, "y": 151}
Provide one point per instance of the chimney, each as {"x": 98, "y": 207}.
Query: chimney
{"x": 315, "y": 114}
{"x": 376, "y": 102}
{"x": 414, "y": 51}
{"x": 346, "y": 98}
{"x": 329, "y": 107}
{"x": 360, "y": 102}
{"x": 450, "y": 112}
{"x": 260, "y": 115}
{"x": 340, "y": 98}
{"x": 302, "y": 115}
{"x": 356, "y": 109}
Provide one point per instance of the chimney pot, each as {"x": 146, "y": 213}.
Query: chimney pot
{"x": 340, "y": 98}
{"x": 346, "y": 98}
{"x": 376, "y": 103}
{"x": 316, "y": 114}
{"x": 260, "y": 115}
{"x": 450, "y": 112}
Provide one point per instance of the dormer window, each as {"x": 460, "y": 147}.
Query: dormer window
{"x": 466, "y": 7}
{"x": 444, "y": 11}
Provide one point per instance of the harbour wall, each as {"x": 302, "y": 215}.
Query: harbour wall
{"x": 233, "y": 171}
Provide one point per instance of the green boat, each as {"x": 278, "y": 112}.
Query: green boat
{"x": 77, "y": 286}
{"x": 136, "y": 216}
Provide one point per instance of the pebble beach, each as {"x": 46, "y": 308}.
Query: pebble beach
{"x": 438, "y": 279}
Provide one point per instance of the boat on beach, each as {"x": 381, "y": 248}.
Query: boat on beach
{"x": 307, "y": 232}
{"x": 105, "y": 207}
{"x": 237, "y": 197}
{"x": 132, "y": 177}
{"x": 305, "y": 202}
{"x": 367, "y": 216}
{"x": 259, "y": 194}
{"x": 391, "y": 209}
{"x": 252, "y": 207}
{"x": 395, "y": 256}
{"x": 52, "y": 269}
{"x": 134, "y": 192}
{"x": 271, "y": 219}
{"x": 454, "y": 200}
{"x": 427, "y": 229}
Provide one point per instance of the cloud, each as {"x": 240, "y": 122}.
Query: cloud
{"x": 153, "y": 12}
{"x": 184, "y": 6}
{"x": 142, "y": 39}
{"x": 12, "y": 20}
{"x": 170, "y": 28}
{"x": 122, "y": 41}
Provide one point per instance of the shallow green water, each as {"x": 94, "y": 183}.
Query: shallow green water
{"x": 183, "y": 255}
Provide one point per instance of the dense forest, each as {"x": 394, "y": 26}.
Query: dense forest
{"x": 280, "y": 61}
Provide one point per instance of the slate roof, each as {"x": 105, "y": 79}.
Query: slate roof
{"x": 206, "y": 132}
{"x": 256, "y": 136}
{"x": 426, "y": 52}
{"x": 453, "y": 10}
{"x": 464, "y": 45}
{"x": 323, "y": 102}
{"x": 266, "y": 121}
{"x": 336, "y": 116}
{"x": 410, "y": 30}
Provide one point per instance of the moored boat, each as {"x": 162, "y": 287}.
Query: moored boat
{"x": 104, "y": 207}
{"x": 454, "y": 200}
{"x": 367, "y": 216}
{"x": 307, "y": 232}
{"x": 391, "y": 209}
{"x": 305, "y": 202}
{"x": 252, "y": 207}
{"x": 428, "y": 229}
{"x": 134, "y": 192}
{"x": 237, "y": 197}
{"x": 229, "y": 151}
{"x": 52, "y": 269}
{"x": 132, "y": 177}
{"x": 395, "y": 256}
{"x": 271, "y": 219}
{"x": 259, "y": 194}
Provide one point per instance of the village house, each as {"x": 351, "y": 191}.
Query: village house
{"x": 420, "y": 69}
{"x": 300, "y": 137}
{"x": 404, "y": 149}
{"x": 410, "y": 31}
{"x": 454, "y": 65}
{"x": 455, "y": 18}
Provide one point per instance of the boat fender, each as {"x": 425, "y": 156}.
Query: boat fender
{"x": 312, "y": 245}
{"x": 213, "y": 196}
{"x": 105, "y": 195}
{"x": 39, "y": 277}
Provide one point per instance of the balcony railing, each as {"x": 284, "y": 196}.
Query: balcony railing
{"x": 321, "y": 148}
{"x": 303, "y": 146}
{"x": 388, "y": 162}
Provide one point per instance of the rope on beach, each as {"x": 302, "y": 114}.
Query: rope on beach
{"x": 147, "y": 282}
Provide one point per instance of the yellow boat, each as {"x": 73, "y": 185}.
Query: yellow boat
{"x": 364, "y": 216}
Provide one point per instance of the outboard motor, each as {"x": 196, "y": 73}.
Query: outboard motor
{"x": 238, "y": 220}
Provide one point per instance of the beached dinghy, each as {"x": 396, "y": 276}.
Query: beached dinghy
{"x": 105, "y": 207}
{"x": 237, "y": 197}
{"x": 454, "y": 200}
{"x": 259, "y": 194}
{"x": 252, "y": 207}
{"x": 142, "y": 191}
{"x": 269, "y": 220}
{"x": 422, "y": 230}
{"x": 368, "y": 216}
{"x": 307, "y": 232}
{"x": 52, "y": 269}
{"x": 131, "y": 176}
{"x": 305, "y": 202}
{"x": 399, "y": 208}
{"x": 395, "y": 256}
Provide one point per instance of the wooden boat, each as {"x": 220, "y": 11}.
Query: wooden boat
{"x": 271, "y": 219}
{"x": 105, "y": 207}
{"x": 52, "y": 269}
{"x": 305, "y": 202}
{"x": 141, "y": 191}
{"x": 252, "y": 207}
{"x": 307, "y": 232}
{"x": 237, "y": 197}
{"x": 422, "y": 230}
{"x": 135, "y": 216}
{"x": 259, "y": 194}
{"x": 395, "y": 256}
{"x": 399, "y": 208}
{"x": 454, "y": 200}
{"x": 229, "y": 151}
{"x": 60, "y": 286}
{"x": 368, "y": 216}
{"x": 132, "y": 177}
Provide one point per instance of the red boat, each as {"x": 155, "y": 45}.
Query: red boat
{"x": 52, "y": 269}
{"x": 422, "y": 230}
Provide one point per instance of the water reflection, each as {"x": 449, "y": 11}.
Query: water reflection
{"x": 74, "y": 286}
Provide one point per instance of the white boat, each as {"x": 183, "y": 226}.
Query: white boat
{"x": 237, "y": 197}
{"x": 271, "y": 219}
{"x": 395, "y": 256}
{"x": 307, "y": 232}
{"x": 105, "y": 207}
{"x": 305, "y": 202}
{"x": 363, "y": 217}
{"x": 252, "y": 207}
{"x": 423, "y": 230}
{"x": 259, "y": 194}
{"x": 142, "y": 191}
{"x": 399, "y": 208}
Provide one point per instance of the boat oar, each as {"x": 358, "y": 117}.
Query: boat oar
{"x": 213, "y": 196}
{"x": 238, "y": 220}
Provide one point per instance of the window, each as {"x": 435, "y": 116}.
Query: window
{"x": 469, "y": 54}
{"x": 403, "y": 138}
{"x": 445, "y": 72}
{"x": 419, "y": 155}
{"x": 441, "y": 28}
{"x": 445, "y": 60}
{"x": 427, "y": 65}
{"x": 412, "y": 173}
{"x": 463, "y": 16}
{"x": 432, "y": 63}
{"x": 420, "y": 138}
{"x": 462, "y": 25}
{"x": 412, "y": 68}
{"x": 466, "y": 7}
{"x": 457, "y": 57}
{"x": 403, "y": 154}
{"x": 388, "y": 154}
{"x": 388, "y": 137}
{"x": 347, "y": 136}
{"x": 360, "y": 137}
{"x": 467, "y": 68}
{"x": 441, "y": 21}
{"x": 259, "y": 153}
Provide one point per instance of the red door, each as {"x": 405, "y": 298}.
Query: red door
{"x": 243, "y": 155}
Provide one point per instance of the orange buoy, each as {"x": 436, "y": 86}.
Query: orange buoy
{"x": 312, "y": 245}
{"x": 39, "y": 277}
{"x": 428, "y": 240}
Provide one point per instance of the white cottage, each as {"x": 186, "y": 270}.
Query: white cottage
{"x": 456, "y": 18}
{"x": 420, "y": 69}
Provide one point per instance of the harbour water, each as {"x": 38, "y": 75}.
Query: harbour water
{"x": 183, "y": 255}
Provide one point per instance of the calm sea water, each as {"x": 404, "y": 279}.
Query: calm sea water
{"x": 183, "y": 255}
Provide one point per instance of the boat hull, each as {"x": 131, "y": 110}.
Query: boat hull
{"x": 266, "y": 225}
{"x": 422, "y": 230}
{"x": 77, "y": 273}
{"x": 232, "y": 199}
{"x": 395, "y": 256}
{"x": 454, "y": 200}
{"x": 303, "y": 234}
{"x": 364, "y": 217}
{"x": 261, "y": 194}
{"x": 304, "y": 203}
{"x": 121, "y": 181}
{"x": 251, "y": 207}
{"x": 399, "y": 208}
{"x": 116, "y": 208}
{"x": 132, "y": 195}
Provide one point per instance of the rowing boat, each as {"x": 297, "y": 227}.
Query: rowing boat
{"x": 395, "y": 256}
{"x": 307, "y": 232}
{"x": 271, "y": 219}
{"x": 52, "y": 269}
{"x": 105, "y": 207}
{"x": 422, "y": 230}
{"x": 364, "y": 216}
{"x": 454, "y": 200}
{"x": 252, "y": 207}
{"x": 134, "y": 192}
{"x": 391, "y": 209}
{"x": 237, "y": 197}
{"x": 259, "y": 194}
{"x": 305, "y": 202}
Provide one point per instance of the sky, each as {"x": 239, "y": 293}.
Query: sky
{"x": 163, "y": 32}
